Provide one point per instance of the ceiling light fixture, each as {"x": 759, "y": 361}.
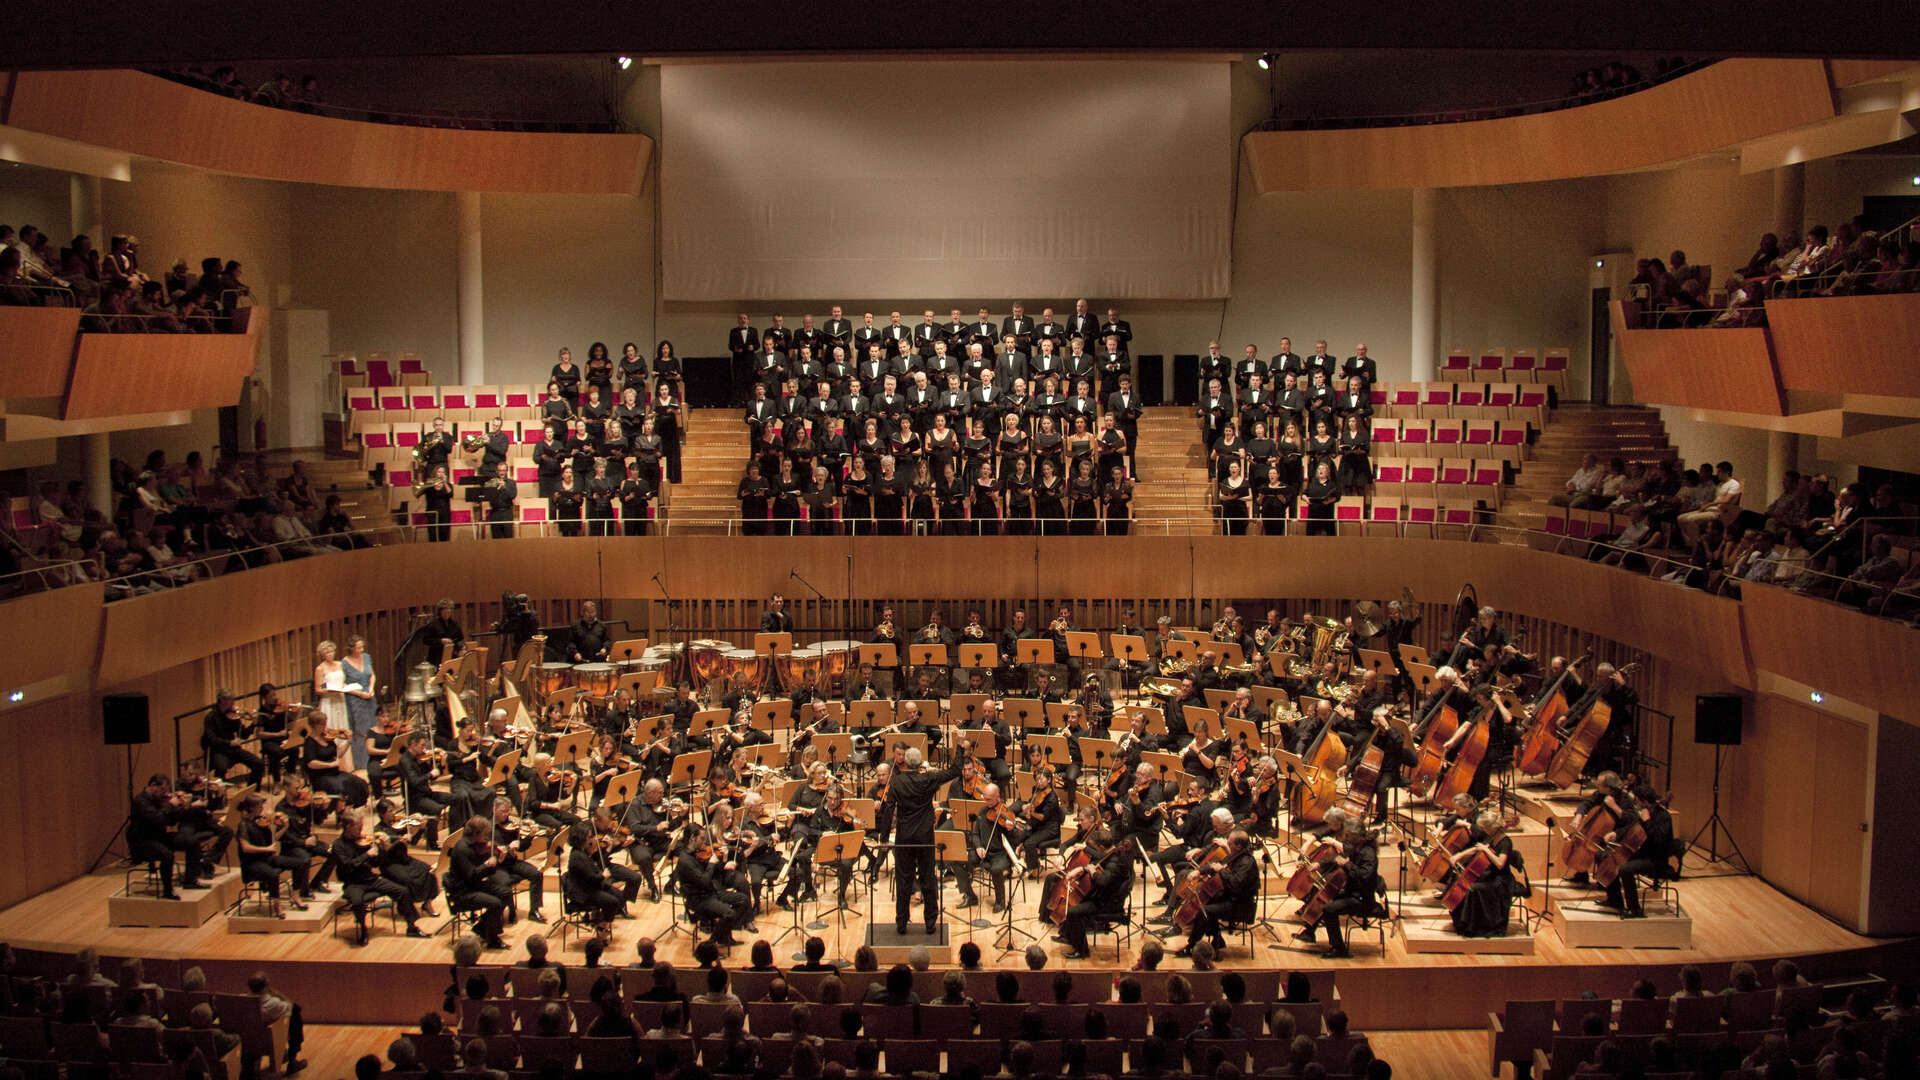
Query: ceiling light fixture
{"x": 625, "y": 62}
{"x": 1265, "y": 61}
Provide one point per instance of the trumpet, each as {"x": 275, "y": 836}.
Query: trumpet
{"x": 1058, "y": 626}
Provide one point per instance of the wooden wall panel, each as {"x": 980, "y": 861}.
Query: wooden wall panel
{"x": 1717, "y": 106}
{"x": 52, "y": 634}
{"x": 127, "y": 374}
{"x": 1847, "y": 344}
{"x": 1702, "y": 369}
{"x": 1857, "y": 72}
{"x": 147, "y": 115}
{"x": 1835, "y": 649}
{"x": 1807, "y": 770}
{"x": 38, "y": 346}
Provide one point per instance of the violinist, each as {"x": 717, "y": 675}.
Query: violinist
{"x": 360, "y": 880}
{"x": 758, "y": 852}
{"x": 586, "y": 878}
{"x": 301, "y": 806}
{"x": 651, "y": 820}
{"x": 391, "y": 834}
{"x": 550, "y": 795}
{"x": 1106, "y": 900}
{"x": 1654, "y": 858}
{"x": 270, "y": 725}
{"x": 261, "y": 860}
{"x": 466, "y": 774}
{"x": 203, "y": 802}
{"x": 1393, "y": 758}
{"x": 1042, "y": 817}
{"x": 1136, "y": 814}
{"x": 471, "y": 882}
{"x": 805, "y": 804}
{"x": 320, "y": 757}
{"x": 1485, "y": 909}
{"x": 416, "y": 784}
{"x": 513, "y": 837}
{"x": 378, "y": 741}
{"x": 1361, "y": 860}
{"x": 606, "y": 761}
{"x": 989, "y": 846}
{"x": 834, "y": 816}
{"x": 699, "y": 876}
{"x": 611, "y": 839}
{"x": 1238, "y": 899}
{"x": 1263, "y": 816}
{"x": 221, "y": 735}
{"x": 1200, "y": 826}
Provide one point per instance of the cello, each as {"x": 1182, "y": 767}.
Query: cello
{"x": 1312, "y": 798}
{"x": 1319, "y": 882}
{"x": 1364, "y": 779}
{"x": 1467, "y": 758}
{"x": 1435, "y": 728}
{"x": 1073, "y": 885}
{"x": 1543, "y": 738}
{"x": 1200, "y": 886}
{"x": 1571, "y": 759}
{"x": 1470, "y": 870}
{"x": 1439, "y": 857}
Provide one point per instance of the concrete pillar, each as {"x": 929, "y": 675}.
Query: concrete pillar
{"x": 99, "y": 472}
{"x": 88, "y": 213}
{"x": 1425, "y": 303}
{"x": 471, "y": 297}
{"x": 1782, "y": 450}
{"x": 1789, "y": 203}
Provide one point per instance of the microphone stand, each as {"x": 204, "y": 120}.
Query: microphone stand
{"x": 673, "y": 626}
{"x": 1265, "y": 922}
{"x": 822, "y": 597}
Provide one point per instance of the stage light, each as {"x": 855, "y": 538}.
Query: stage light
{"x": 16, "y": 697}
{"x": 625, "y": 62}
{"x": 1816, "y": 697}
{"x": 1265, "y": 61}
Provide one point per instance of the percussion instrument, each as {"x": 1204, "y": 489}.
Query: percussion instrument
{"x": 594, "y": 680}
{"x": 551, "y": 678}
{"x": 839, "y": 658}
{"x": 419, "y": 684}
{"x": 707, "y": 658}
{"x": 800, "y": 668}
{"x": 744, "y": 661}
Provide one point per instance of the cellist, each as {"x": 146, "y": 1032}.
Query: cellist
{"x": 1653, "y": 858}
{"x": 1502, "y": 735}
{"x": 1361, "y": 860}
{"x": 1238, "y": 899}
{"x": 1106, "y": 900}
{"x": 1607, "y": 793}
{"x": 1393, "y": 758}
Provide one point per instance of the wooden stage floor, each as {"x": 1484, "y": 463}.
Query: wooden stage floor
{"x": 1734, "y": 918}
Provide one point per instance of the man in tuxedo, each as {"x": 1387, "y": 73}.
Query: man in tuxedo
{"x": 760, "y": 410}
{"x": 983, "y": 332}
{"x": 743, "y": 342}
{"x": 921, "y": 398}
{"x": 953, "y": 401}
{"x": 1255, "y": 406}
{"x": 894, "y": 333}
{"x": 1018, "y": 325}
{"x": 868, "y": 334}
{"x": 776, "y": 619}
{"x": 873, "y": 367}
{"x": 838, "y": 331}
{"x": 1362, "y": 365}
{"x": 1081, "y": 403}
{"x": 777, "y": 336}
{"x": 976, "y": 362}
{"x": 1048, "y": 362}
{"x": 1216, "y": 411}
{"x": 1012, "y": 362}
{"x": 928, "y": 332}
{"x": 941, "y": 362}
{"x": 1319, "y": 361}
{"x": 986, "y": 400}
{"x": 1081, "y": 323}
{"x": 1285, "y": 360}
{"x": 1248, "y": 365}
{"x": 888, "y": 405}
{"x": 808, "y": 334}
{"x": 769, "y": 366}
{"x": 956, "y": 331}
{"x": 1113, "y": 361}
{"x": 1049, "y": 330}
{"x": 1124, "y": 406}
{"x": 855, "y": 407}
{"x": 1214, "y": 365}
{"x": 1117, "y": 327}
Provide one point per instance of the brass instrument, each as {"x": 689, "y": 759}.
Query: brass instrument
{"x": 422, "y": 487}
{"x": 1221, "y": 628}
{"x": 1160, "y": 688}
{"x": 885, "y": 630}
{"x": 1325, "y": 632}
{"x": 1174, "y": 667}
{"x": 473, "y": 442}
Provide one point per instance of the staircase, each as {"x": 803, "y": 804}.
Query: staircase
{"x": 1631, "y": 432}
{"x": 713, "y": 458}
{"x": 1171, "y": 481}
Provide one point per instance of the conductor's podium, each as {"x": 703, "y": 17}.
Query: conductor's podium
{"x": 194, "y": 907}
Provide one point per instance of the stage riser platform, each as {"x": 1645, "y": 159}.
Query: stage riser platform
{"x": 194, "y": 908}
{"x": 1435, "y": 935}
{"x": 1583, "y": 925}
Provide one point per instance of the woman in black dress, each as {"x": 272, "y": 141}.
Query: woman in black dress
{"x": 1119, "y": 502}
{"x": 950, "y": 493}
{"x": 1483, "y": 912}
{"x": 786, "y": 491}
{"x": 889, "y": 499}
{"x": 666, "y": 369}
{"x": 823, "y": 502}
{"x": 1018, "y": 485}
{"x": 666, "y": 421}
{"x": 1293, "y": 454}
{"x": 987, "y": 508}
{"x": 631, "y": 411}
{"x": 1321, "y": 445}
{"x": 977, "y": 447}
{"x": 920, "y": 501}
{"x": 633, "y": 371}
{"x": 1322, "y": 493}
{"x": 1113, "y": 446}
{"x": 1273, "y": 498}
{"x": 595, "y": 412}
{"x": 904, "y": 443}
{"x": 636, "y": 499}
{"x": 800, "y": 448}
{"x": 1083, "y": 499}
{"x": 1355, "y": 472}
{"x": 1014, "y": 442}
{"x": 1234, "y": 495}
{"x": 1261, "y": 452}
{"x": 600, "y": 370}
{"x": 397, "y": 864}
{"x": 1228, "y": 450}
{"x": 555, "y": 408}
{"x": 942, "y": 443}
{"x": 1049, "y": 446}
{"x": 1079, "y": 444}
{"x": 769, "y": 450}
{"x": 1049, "y": 499}
{"x": 831, "y": 449}
{"x": 857, "y": 492}
{"x": 568, "y": 502}
{"x": 566, "y": 375}
{"x": 648, "y": 449}
{"x": 602, "y": 490}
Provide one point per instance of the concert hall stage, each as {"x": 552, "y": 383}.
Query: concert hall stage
{"x": 394, "y": 978}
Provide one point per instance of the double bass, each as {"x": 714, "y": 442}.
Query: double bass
{"x": 1313, "y": 797}
{"x": 1543, "y": 738}
{"x": 1571, "y": 759}
{"x": 1436, "y": 727}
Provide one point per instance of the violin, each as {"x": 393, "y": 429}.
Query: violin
{"x": 1000, "y": 815}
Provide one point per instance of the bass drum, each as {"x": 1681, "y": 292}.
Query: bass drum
{"x": 801, "y": 667}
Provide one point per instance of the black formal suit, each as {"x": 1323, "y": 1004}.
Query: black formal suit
{"x": 1216, "y": 411}
{"x": 1124, "y": 407}
{"x": 1119, "y": 328}
{"x": 1085, "y": 327}
{"x": 836, "y": 331}
{"x": 743, "y": 342}
{"x": 776, "y": 338}
{"x": 925, "y": 334}
{"x": 1281, "y": 363}
{"x": 706, "y": 894}
{"x": 1011, "y": 365}
{"x": 1255, "y": 406}
{"x": 911, "y": 793}
{"x": 153, "y": 835}
{"x": 984, "y": 332}
{"x": 1238, "y": 899}
{"x": 1105, "y": 902}
{"x": 1051, "y": 331}
{"x": 985, "y": 402}
{"x": 1363, "y": 367}
{"x": 872, "y": 371}
{"x": 776, "y": 622}
{"x": 806, "y": 336}
{"x": 1021, "y": 327}
{"x": 921, "y": 401}
{"x": 473, "y": 881}
{"x": 957, "y": 335}
{"x": 760, "y": 411}
{"x": 585, "y": 887}
{"x": 499, "y": 500}
{"x": 865, "y": 336}
{"x": 1244, "y": 369}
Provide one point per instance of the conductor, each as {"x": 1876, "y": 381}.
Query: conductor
{"x": 912, "y": 792}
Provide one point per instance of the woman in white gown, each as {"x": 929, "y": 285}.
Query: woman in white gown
{"x": 330, "y": 687}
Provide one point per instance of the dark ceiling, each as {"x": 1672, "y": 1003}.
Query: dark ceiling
{"x": 93, "y": 33}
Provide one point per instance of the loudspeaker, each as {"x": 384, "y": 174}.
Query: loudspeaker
{"x": 125, "y": 718}
{"x": 1717, "y": 719}
{"x": 1148, "y": 377}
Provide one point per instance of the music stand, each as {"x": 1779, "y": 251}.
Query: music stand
{"x": 622, "y": 788}
{"x": 979, "y": 656}
{"x": 1229, "y": 652}
{"x": 1156, "y": 717}
{"x": 1202, "y": 721}
{"x": 1057, "y": 712}
{"x": 927, "y": 656}
{"x": 1422, "y": 676}
{"x": 627, "y": 648}
{"x": 879, "y": 655}
{"x": 398, "y": 746}
{"x": 1238, "y": 729}
{"x": 1131, "y": 649}
{"x": 767, "y": 755}
{"x": 1051, "y": 749}
{"x": 1105, "y": 754}
{"x": 1181, "y": 649}
{"x": 706, "y": 720}
{"x": 984, "y": 743}
{"x": 969, "y": 706}
{"x": 912, "y": 740}
{"x": 571, "y": 749}
{"x": 689, "y": 767}
{"x": 831, "y": 848}
{"x": 1292, "y": 771}
{"x": 1024, "y": 712}
{"x": 869, "y": 714}
{"x": 1379, "y": 662}
{"x": 834, "y": 748}
{"x": 1413, "y": 654}
{"x": 1266, "y": 697}
{"x": 1083, "y": 646}
{"x": 780, "y": 644}
{"x": 1034, "y": 651}
{"x": 1217, "y": 699}
{"x": 503, "y": 767}
{"x": 768, "y": 714}
{"x": 1168, "y": 767}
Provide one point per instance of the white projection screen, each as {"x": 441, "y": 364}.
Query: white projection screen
{"x": 906, "y": 179}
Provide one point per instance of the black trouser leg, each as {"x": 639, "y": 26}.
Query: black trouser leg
{"x": 629, "y": 880}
